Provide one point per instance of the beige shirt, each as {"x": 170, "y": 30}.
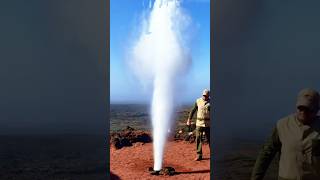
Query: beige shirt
{"x": 300, "y": 150}
{"x": 203, "y": 112}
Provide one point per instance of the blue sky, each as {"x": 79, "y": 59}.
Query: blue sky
{"x": 124, "y": 18}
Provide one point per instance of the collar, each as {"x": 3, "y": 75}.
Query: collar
{"x": 300, "y": 124}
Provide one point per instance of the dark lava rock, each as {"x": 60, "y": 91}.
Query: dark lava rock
{"x": 125, "y": 142}
{"x": 155, "y": 173}
{"x": 166, "y": 171}
{"x": 128, "y": 136}
{"x": 116, "y": 143}
{"x": 188, "y": 133}
{"x": 128, "y": 128}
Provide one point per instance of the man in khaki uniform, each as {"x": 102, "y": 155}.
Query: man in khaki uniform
{"x": 297, "y": 139}
{"x": 202, "y": 106}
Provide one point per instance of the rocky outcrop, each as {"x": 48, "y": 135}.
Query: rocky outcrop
{"x": 188, "y": 133}
{"x": 129, "y": 136}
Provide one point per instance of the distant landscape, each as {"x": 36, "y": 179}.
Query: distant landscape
{"x": 138, "y": 116}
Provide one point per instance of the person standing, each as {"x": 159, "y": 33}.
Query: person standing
{"x": 202, "y": 106}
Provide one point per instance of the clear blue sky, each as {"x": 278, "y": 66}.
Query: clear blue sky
{"x": 124, "y": 17}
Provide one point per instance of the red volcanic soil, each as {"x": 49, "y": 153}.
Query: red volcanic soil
{"x": 133, "y": 162}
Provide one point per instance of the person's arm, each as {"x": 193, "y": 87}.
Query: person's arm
{"x": 268, "y": 151}
{"x": 208, "y": 106}
{"x": 194, "y": 109}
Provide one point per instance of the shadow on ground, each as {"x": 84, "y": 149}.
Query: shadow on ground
{"x": 194, "y": 172}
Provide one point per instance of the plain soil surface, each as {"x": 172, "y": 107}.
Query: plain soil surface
{"x": 133, "y": 162}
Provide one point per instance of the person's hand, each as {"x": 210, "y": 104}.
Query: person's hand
{"x": 188, "y": 122}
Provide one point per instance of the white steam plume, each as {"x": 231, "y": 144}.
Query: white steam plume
{"x": 160, "y": 56}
